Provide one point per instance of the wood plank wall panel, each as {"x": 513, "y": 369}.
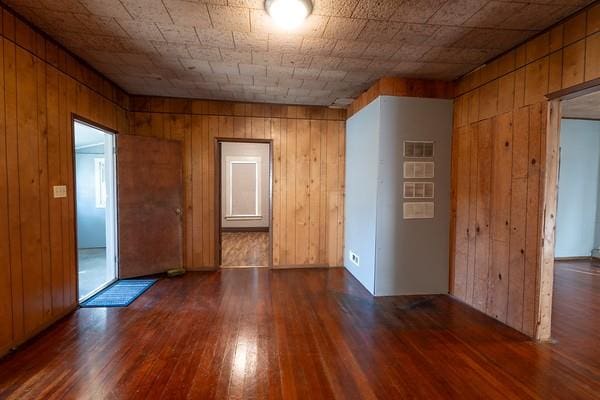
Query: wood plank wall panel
{"x": 403, "y": 87}
{"x": 308, "y": 172}
{"x": 41, "y": 85}
{"x": 498, "y": 271}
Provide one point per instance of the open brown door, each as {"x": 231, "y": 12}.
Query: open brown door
{"x": 149, "y": 192}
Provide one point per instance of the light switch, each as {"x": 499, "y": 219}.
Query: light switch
{"x": 60, "y": 191}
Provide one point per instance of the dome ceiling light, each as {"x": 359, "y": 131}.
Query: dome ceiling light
{"x": 288, "y": 14}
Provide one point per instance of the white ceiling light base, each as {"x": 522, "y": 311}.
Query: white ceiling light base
{"x": 288, "y": 14}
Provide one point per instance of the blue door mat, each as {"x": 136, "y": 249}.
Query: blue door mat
{"x": 119, "y": 294}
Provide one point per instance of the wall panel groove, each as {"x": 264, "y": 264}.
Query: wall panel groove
{"x": 307, "y": 192}
{"x": 41, "y": 86}
{"x": 508, "y": 98}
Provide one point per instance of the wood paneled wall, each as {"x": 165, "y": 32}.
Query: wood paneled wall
{"x": 41, "y": 85}
{"x": 402, "y": 87}
{"x": 498, "y": 167}
{"x": 308, "y": 172}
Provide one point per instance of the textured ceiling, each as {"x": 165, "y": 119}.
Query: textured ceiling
{"x": 587, "y": 107}
{"x": 229, "y": 49}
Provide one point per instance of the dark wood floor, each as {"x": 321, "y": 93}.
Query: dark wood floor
{"x": 307, "y": 334}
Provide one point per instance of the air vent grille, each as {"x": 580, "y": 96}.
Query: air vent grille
{"x": 413, "y": 149}
{"x": 418, "y": 210}
{"x": 418, "y": 169}
{"x": 418, "y": 190}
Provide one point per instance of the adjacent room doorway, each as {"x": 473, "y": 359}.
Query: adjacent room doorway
{"x": 244, "y": 200}
{"x": 570, "y": 247}
{"x": 95, "y": 193}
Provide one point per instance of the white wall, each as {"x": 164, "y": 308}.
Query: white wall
{"x": 362, "y": 146}
{"x": 91, "y": 221}
{"x": 397, "y": 256}
{"x": 246, "y": 149}
{"x": 578, "y": 219}
{"x": 412, "y": 255}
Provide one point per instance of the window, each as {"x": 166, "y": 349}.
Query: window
{"x": 243, "y": 202}
{"x": 100, "y": 180}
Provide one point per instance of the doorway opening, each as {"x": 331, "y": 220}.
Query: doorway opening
{"x": 244, "y": 197}
{"x": 569, "y": 280}
{"x": 95, "y": 194}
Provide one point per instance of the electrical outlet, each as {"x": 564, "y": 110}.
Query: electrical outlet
{"x": 59, "y": 191}
{"x": 354, "y": 258}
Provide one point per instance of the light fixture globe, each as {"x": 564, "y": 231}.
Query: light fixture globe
{"x": 288, "y": 14}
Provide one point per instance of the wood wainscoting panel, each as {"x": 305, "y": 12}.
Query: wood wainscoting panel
{"x": 308, "y": 172}
{"x": 41, "y": 87}
{"x": 510, "y": 281}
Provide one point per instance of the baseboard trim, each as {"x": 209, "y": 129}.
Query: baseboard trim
{"x": 303, "y": 266}
{"x": 575, "y": 258}
{"x": 15, "y": 346}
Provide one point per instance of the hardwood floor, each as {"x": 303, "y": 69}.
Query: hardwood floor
{"x": 306, "y": 334}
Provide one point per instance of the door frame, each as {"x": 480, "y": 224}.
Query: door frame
{"x": 549, "y": 203}
{"x": 218, "y": 188}
{"x": 85, "y": 121}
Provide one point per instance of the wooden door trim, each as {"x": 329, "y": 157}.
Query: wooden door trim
{"x": 548, "y": 221}
{"x": 218, "y": 229}
{"x": 549, "y": 206}
{"x": 78, "y": 118}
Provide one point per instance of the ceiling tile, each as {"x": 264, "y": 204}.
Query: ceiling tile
{"x": 534, "y": 16}
{"x": 415, "y": 33}
{"x": 446, "y": 36}
{"x": 410, "y": 52}
{"x": 215, "y": 38}
{"x": 344, "y": 28}
{"x": 105, "y": 26}
{"x": 313, "y": 84}
{"x": 229, "y": 18}
{"x": 493, "y": 14}
{"x": 200, "y": 52}
{"x": 379, "y": 31}
{"x": 171, "y": 49}
{"x": 106, "y": 8}
{"x": 237, "y": 56}
{"x": 266, "y": 58}
{"x": 317, "y": 47}
{"x": 141, "y": 30}
{"x": 201, "y": 66}
{"x": 61, "y": 22}
{"x": 188, "y": 13}
{"x": 253, "y": 70}
{"x": 332, "y": 75}
{"x": 178, "y": 34}
{"x": 74, "y": 6}
{"x": 456, "y": 12}
{"x": 418, "y": 11}
{"x": 325, "y": 62}
{"x": 148, "y": 10}
{"x": 306, "y": 73}
{"x": 338, "y": 8}
{"x": 381, "y": 51}
{"x": 480, "y": 38}
{"x": 377, "y": 9}
{"x": 259, "y": 4}
{"x": 355, "y": 64}
{"x": 251, "y": 41}
{"x": 284, "y": 43}
{"x": 232, "y": 49}
{"x": 225, "y": 68}
{"x": 296, "y": 60}
{"x": 349, "y": 48}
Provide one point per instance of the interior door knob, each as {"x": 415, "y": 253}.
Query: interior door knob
{"x": 178, "y": 211}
